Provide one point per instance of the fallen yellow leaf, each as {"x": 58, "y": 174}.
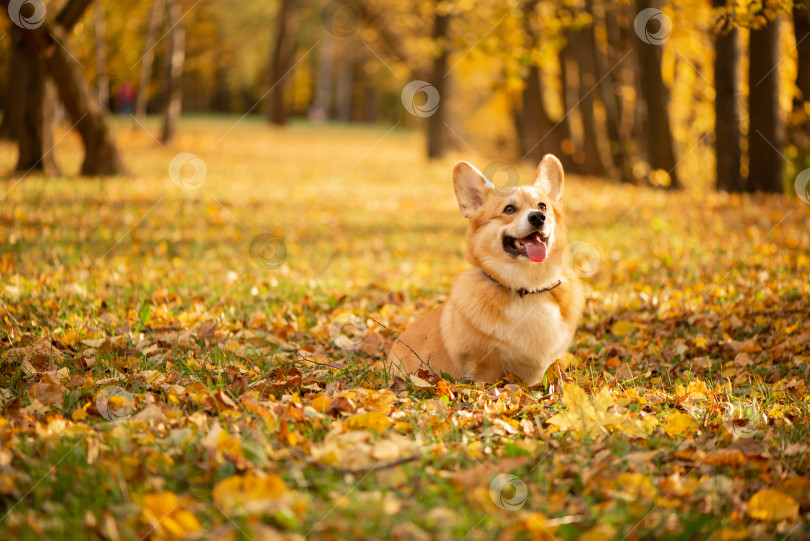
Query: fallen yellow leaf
{"x": 798, "y": 488}
{"x": 770, "y": 504}
{"x": 164, "y": 513}
{"x": 591, "y": 415}
{"x": 622, "y": 328}
{"x": 245, "y": 494}
{"x": 320, "y": 403}
{"x": 635, "y": 486}
{"x": 680, "y": 423}
{"x": 372, "y": 421}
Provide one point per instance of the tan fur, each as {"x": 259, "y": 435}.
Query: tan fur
{"x": 484, "y": 330}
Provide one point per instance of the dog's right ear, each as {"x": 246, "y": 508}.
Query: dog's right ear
{"x": 471, "y": 188}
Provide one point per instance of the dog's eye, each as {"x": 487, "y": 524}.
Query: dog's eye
{"x": 542, "y": 206}
{"x": 509, "y": 209}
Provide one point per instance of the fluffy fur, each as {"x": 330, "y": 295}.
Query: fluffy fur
{"x": 487, "y": 328}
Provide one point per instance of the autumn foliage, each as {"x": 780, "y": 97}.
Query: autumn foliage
{"x": 166, "y": 375}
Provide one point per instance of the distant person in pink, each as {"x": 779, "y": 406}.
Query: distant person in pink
{"x": 124, "y": 98}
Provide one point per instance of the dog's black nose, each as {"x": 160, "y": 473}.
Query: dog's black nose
{"x": 537, "y": 218}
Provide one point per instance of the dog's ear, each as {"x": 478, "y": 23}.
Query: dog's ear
{"x": 471, "y": 188}
{"x": 550, "y": 176}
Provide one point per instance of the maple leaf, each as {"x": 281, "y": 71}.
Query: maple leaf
{"x": 680, "y": 423}
{"x": 591, "y": 416}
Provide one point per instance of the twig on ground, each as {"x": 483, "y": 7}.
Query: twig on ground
{"x": 397, "y": 339}
{"x": 298, "y": 352}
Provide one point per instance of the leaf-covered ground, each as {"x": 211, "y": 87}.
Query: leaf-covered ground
{"x": 208, "y": 363}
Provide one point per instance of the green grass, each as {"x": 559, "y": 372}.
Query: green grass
{"x": 371, "y": 228}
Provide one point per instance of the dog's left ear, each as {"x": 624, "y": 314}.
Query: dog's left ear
{"x": 471, "y": 188}
{"x": 550, "y": 176}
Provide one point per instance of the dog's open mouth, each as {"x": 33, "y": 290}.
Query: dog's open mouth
{"x": 533, "y": 246}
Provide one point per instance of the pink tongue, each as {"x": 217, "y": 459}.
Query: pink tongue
{"x": 535, "y": 248}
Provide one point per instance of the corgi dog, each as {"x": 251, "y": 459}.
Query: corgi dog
{"x": 517, "y": 309}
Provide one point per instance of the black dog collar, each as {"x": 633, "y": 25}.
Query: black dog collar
{"x": 523, "y": 291}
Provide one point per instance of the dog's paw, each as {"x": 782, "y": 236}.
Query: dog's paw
{"x": 466, "y": 380}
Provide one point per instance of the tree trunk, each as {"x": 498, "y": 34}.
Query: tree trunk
{"x": 343, "y": 88}
{"x": 540, "y": 135}
{"x": 174, "y": 74}
{"x": 148, "y": 60}
{"x": 568, "y": 98}
{"x": 800, "y": 128}
{"x": 32, "y": 116}
{"x": 536, "y": 132}
{"x": 6, "y": 132}
{"x": 101, "y": 154}
{"x": 47, "y": 43}
{"x": 607, "y": 93}
{"x": 222, "y": 101}
{"x": 581, "y": 43}
{"x": 436, "y": 142}
{"x": 655, "y": 94}
{"x": 283, "y": 52}
{"x": 71, "y": 14}
{"x": 727, "y": 107}
{"x": 766, "y": 131}
{"x": 622, "y": 69}
{"x": 99, "y": 32}
{"x": 322, "y": 104}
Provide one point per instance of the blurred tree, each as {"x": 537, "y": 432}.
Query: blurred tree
{"x": 282, "y": 61}
{"x": 321, "y": 109}
{"x": 569, "y": 99}
{"x": 655, "y": 94}
{"x": 609, "y": 58}
{"x": 584, "y": 47}
{"x": 800, "y": 122}
{"x": 31, "y": 118}
{"x": 536, "y": 132}
{"x": 766, "y": 128}
{"x": 175, "y": 62}
{"x": 100, "y": 46}
{"x": 148, "y": 59}
{"x": 343, "y": 87}
{"x": 726, "y": 102}
{"x": 436, "y": 137}
{"x": 401, "y": 34}
{"x": 47, "y": 43}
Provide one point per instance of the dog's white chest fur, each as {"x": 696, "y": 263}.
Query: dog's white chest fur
{"x": 524, "y": 336}
{"x": 535, "y": 336}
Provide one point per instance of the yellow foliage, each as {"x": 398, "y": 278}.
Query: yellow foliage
{"x": 249, "y": 493}
{"x": 373, "y": 420}
{"x": 772, "y": 505}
